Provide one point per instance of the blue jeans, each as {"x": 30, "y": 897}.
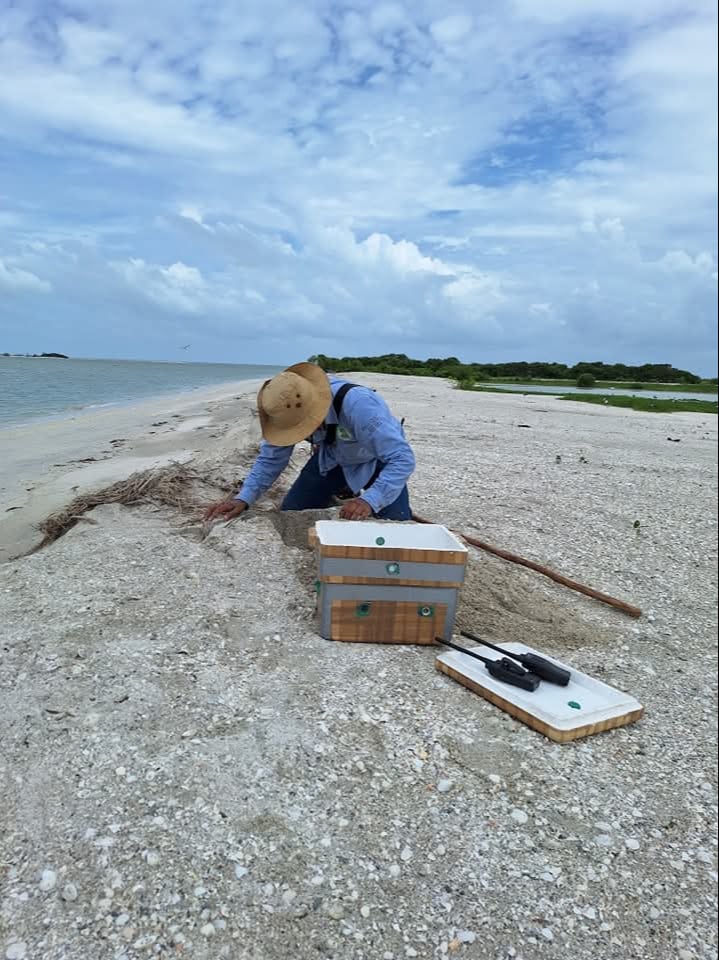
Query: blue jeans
{"x": 312, "y": 491}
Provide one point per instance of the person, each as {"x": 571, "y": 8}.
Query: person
{"x": 357, "y": 445}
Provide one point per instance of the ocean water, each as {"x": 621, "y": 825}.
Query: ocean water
{"x": 34, "y": 388}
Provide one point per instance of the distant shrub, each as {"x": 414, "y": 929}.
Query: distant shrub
{"x": 585, "y": 380}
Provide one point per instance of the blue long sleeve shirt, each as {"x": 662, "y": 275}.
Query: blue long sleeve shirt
{"x": 367, "y": 435}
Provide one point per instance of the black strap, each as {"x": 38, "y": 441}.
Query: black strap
{"x": 338, "y": 400}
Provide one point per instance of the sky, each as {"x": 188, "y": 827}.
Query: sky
{"x": 514, "y": 180}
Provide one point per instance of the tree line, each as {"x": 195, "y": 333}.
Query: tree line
{"x": 60, "y": 356}
{"x": 452, "y": 368}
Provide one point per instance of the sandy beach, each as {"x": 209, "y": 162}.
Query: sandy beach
{"x": 46, "y": 463}
{"x": 189, "y": 770}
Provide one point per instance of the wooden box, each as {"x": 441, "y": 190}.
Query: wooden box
{"x": 387, "y": 582}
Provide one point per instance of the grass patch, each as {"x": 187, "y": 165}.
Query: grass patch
{"x": 612, "y": 384}
{"x": 645, "y": 404}
{"x": 480, "y": 388}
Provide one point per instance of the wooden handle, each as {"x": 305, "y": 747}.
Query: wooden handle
{"x": 627, "y": 608}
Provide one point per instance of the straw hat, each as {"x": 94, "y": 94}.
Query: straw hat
{"x": 293, "y": 404}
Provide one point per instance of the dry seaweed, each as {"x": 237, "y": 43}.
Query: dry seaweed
{"x": 174, "y": 486}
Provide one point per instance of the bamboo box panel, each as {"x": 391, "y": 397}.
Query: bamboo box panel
{"x": 387, "y": 582}
{"x": 386, "y": 621}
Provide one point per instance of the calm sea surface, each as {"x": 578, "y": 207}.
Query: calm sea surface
{"x": 38, "y": 388}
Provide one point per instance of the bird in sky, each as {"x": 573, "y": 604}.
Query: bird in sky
{"x": 186, "y": 346}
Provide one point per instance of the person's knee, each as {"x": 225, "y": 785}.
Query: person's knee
{"x": 304, "y": 498}
{"x": 399, "y": 510}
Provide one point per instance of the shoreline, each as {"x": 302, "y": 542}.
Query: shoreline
{"x": 46, "y": 463}
{"x": 73, "y": 386}
{"x": 71, "y": 413}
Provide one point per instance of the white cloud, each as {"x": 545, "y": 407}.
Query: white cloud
{"x": 679, "y": 261}
{"x": 15, "y": 279}
{"x": 178, "y": 287}
{"x": 413, "y": 173}
{"x": 191, "y": 212}
{"x": 451, "y": 30}
{"x": 379, "y": 249}
{"x": 87, "y": 47}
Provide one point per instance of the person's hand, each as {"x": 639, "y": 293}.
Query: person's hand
{"x": 227, "y": 509}
{"x": 357, "y": 509}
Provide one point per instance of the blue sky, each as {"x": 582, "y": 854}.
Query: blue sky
{"x": 267, "y": 180}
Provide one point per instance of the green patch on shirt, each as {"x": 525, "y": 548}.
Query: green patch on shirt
{"x": 344, "y": 434}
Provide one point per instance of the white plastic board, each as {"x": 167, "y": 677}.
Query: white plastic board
{"x": 584, "y": 707}
{"x": 412, "y": 536}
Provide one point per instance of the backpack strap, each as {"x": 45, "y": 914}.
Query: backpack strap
{"x": 337, "y": 401}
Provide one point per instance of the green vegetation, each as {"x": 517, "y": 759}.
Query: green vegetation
{"x": 660, "y": 376}
{"x": 647, "y": 404}
{"x": 585, "y": 380}
{"x": 705, "y": 386}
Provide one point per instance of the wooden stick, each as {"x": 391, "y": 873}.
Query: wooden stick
{"x": 627, "y": 608}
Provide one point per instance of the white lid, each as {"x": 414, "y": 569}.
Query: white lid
{"x": 398, "y": 536}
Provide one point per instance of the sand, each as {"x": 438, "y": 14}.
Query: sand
{"x": 189, "y": 770}
{"x": 45, "y": 464}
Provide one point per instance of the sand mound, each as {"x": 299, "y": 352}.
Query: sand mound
{"x": 503, "y": 602}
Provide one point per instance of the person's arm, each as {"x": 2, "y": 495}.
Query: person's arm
{"x": 270, "y": 463}
{"x": 374, "y": 426}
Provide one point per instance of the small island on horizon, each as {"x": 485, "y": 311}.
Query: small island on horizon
{"x": 60, "y": 356}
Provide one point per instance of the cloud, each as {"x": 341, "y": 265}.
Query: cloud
{"x": 177, "y": 287}
{"x": 451, "y": 30}
{"x": 14, "y": 279}
{"x": 527, "y": 180}
{"x": 679, "y": 261}
{"x": 379, "y": 250}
